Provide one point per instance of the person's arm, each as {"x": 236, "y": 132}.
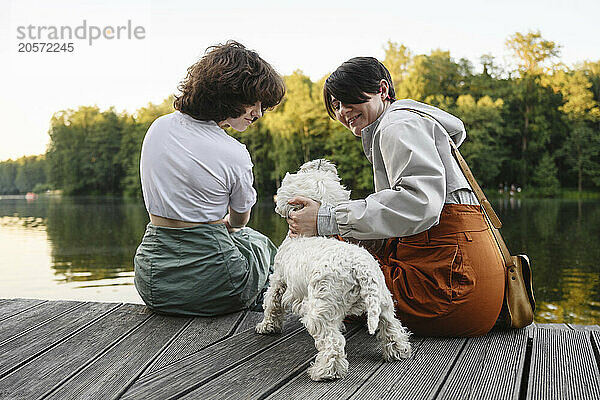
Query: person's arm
{"x": 234, "y": 220}
{"x": 241, "y": 198}
{"x": 413, "y": 203}
{"x": 417, "y": 182}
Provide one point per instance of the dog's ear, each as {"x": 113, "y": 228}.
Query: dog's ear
{"x": 284, "y": 194}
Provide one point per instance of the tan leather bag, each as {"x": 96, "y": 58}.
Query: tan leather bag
{"x": 519, "y": 302}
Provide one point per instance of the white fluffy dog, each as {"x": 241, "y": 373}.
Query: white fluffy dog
{"x": 323, "y": 280}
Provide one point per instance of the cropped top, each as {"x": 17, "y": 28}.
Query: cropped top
{"x": 192, "y": 170}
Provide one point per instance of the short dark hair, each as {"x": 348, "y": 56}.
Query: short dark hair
{"x": 352, "y": 80}
{"x": 226, "y": 80}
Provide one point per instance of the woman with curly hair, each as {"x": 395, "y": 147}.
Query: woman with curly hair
{"x": 197, "y": 257}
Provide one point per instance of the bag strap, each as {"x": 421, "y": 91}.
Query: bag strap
{"x": 475, "y": 186}
{"x": 490, "y": 215}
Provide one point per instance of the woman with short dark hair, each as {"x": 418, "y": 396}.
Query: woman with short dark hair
{"x": 197, "y": 257}
{"x": 423, "y": 222}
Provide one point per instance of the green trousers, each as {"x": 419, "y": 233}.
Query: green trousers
{"x": 203, "y": 270}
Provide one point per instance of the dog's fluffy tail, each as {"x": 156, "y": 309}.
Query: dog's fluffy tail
{"x": 370, "y": 292}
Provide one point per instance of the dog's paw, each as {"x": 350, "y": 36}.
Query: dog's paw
{"x": 397, "y": 350}
{"x": 267, "y": 327}
{"x": 334, "y": 369}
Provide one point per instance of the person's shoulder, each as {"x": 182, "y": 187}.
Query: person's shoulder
{"x": 401, "y": 112}
{"x": 235, "y": 152}
{"x": 162, "y": 121}
{"x": 241, "y": 153}
{"x": 400, "y": 120}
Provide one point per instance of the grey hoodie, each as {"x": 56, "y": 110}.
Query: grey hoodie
{"x": 414, "y": 174}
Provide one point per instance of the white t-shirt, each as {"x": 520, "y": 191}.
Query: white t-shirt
{"x": 193, "y": 170}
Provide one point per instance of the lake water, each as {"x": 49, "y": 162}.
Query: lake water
{"x": 82, "y": 248}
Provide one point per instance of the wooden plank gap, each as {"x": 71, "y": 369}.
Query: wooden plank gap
{"x": 251, "y": 318}
{"x": 449, "y": 370}
{"x": 217, "y": 342}
{"x": 151, "y": 361}
{"x": 160, "y": 363}
{"x": 353, "y": 331}
{"x": 94, "y": 359}
{"x": 27, "y": 330}
{"x": 595, "y": 339}
{"x": 53, "y": 345}
{"x": 174, "y": 378}
{"x": 383, "y": 362}
{"x": 526, "y": 368}
{"x": 577, "y": 327}
{"x": 563, "y": 366}
{"x": 25, "y": 309}
{"x": 233, "y": 365}
{"x": 238, "y": 323}
{"x": 295, "y": 373}
{"x": 163, "y": 350}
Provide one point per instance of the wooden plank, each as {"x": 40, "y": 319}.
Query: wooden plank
{"x": 563, "y": 366}
{"x": 20, "y": 349}
{"x": 57, "y": 364}
{"x": 12, "y": 307}
{"x": 418, "y": 377}
{"x": 553, "y": 326}
{"x": 201, "y": 333}
{"x": 595, "y": 336}
{"x": 365, "y": 357}
{"x": 489, "y": 367}
{"x": 250, "y": 320}
{"x": 584, "y": 327}
{"x": 263, "y": 374}
{"x": 114, "y": 370}
{"x": 191, "y": 372}
{"x": 35, "y": 316}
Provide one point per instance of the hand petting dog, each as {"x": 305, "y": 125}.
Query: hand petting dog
{"x": 303, "y": 219}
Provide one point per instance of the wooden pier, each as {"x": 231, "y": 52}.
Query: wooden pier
{"x": 75, "y": 350}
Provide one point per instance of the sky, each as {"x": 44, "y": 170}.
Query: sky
{"x": 312, "y": 36}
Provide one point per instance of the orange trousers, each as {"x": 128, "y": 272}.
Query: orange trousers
{"x": 448, "y": 280}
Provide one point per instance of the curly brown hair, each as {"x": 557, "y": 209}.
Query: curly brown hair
{"x": 226, "y": 80}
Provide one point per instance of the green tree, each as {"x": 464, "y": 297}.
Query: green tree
{"x": 483, "y": 149}
{"x": 533, "y": 55}
{"x": 397, "y": 60}
{"x": 490, "y": 81}
{"x": 82, "y": 155}
{"x": 435, "y": 74}
{"x": 31, "y": 171}
{"x": 581, "y": 146}
{"x": 592, "y": 72}
{"x": 8, "y": 173}
{"x": 582, "y": 153}
{"x": 299, "y": 116}
{"x": 545, "y": 177}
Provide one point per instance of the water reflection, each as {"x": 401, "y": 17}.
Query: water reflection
{"x": 94, "y": 236}
{"x": 562, "y": 238}
{"x": 89, "y": 245}
{"x": 82, "y": 248}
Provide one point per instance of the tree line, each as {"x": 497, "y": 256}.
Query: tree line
{"x": 535, "y": 124}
